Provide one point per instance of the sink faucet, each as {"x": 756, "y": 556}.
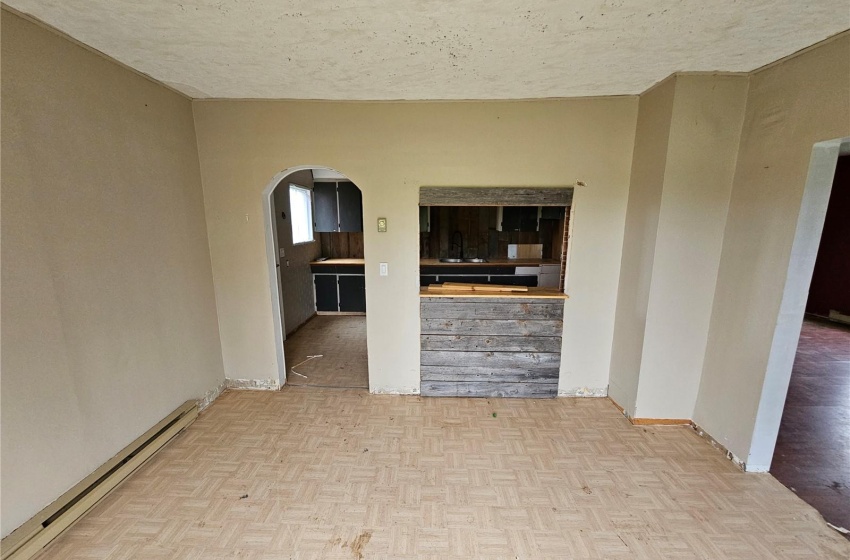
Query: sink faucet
{"x": 458, "y": 234}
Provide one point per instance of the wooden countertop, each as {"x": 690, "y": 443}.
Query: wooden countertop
{"x": 535, "y": 293}
{"x": 491, "y": 262}
{"x": 339, "y": 262}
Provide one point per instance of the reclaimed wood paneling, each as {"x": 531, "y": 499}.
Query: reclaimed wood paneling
{"x": 486, "y": 389}
{"x": 477, "y": 373}
{"x": 525, "y": 361}
{"x": 463, "y": 343}
{"x": 495, "y": 196}
{"x": 344, "y": 245}
{"x": 490, "y": 347}
{"x": 501, "y": 327}
{"x": 482, "y": 308}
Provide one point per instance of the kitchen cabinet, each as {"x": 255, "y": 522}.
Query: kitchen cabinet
{"x": 338, "y": 207}
{"x": 552, "y": 212}
{"x": 326, "y": 208}
{"x": 550, "y": 276}
{"x": 478, "y": 274}
{"x": 350, "y": 201}
{"x": 327, "y": 297}
{"x": 339, "y": 287}
{"x": 352, "y": 293}
{"x": 520, "y": 218}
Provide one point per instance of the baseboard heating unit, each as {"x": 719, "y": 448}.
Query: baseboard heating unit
{"x": 28, "y": 539}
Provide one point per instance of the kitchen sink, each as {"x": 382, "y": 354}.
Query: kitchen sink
{"x": 452, "y": 260}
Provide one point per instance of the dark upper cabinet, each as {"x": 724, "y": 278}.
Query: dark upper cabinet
{"x": 326, "y": 215}
{"x": 552, "y": 212}
{"x": 519, "y": 218}
{"x": 338, "y": 207}
{"x": 350, "y": 201}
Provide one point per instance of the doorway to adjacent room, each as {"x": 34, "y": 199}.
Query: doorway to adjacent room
{"x": 315, "y": 250}
{"x": 812, "y": 455}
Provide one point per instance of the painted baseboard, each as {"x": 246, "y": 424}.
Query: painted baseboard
{"x": 597, "y": 392}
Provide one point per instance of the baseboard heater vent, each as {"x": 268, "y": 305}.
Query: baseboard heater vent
{"x": 28, "y": 539}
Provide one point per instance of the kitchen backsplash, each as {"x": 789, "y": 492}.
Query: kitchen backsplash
{"x": 342, "y": 245}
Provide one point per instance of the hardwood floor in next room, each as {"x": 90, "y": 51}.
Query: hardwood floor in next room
{"x": 812, "y": 453}
{"x": 341, "y": 341}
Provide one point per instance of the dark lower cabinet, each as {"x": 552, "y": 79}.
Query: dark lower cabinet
{"x": 475, "y": 274}
{"x": 529, "y": 281}
{"x": 326, "y": 292}
{"x": 340, "y": 292}
{"x": 352, "y": 293}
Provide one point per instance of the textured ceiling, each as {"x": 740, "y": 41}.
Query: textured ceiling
{"x": 437, "y": 49}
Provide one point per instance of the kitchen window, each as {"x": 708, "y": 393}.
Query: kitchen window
{"x": 301, "y": 210}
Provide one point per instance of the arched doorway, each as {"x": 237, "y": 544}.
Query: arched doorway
{"x": 315, "y": 254}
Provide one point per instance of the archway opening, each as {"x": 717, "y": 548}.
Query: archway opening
{"x": 316, "y": 258}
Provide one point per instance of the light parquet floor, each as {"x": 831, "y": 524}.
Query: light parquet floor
{"x": 342, "y": 474}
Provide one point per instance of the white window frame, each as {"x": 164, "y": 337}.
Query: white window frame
{"x": 292, "y": 213}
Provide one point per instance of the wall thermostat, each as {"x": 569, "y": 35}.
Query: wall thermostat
{"x": 382, "y": 224}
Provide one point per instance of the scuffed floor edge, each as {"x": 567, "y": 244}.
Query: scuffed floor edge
{"x": 597, "y": 392}
{"x": 253, "y": 384}
{"x": 737, "y": 461}
{"x": 395, "y": 391}
{"x": 211, "y": 395}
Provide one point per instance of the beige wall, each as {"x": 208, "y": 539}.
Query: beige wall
{"x": 389, "y": 150}
{"x": 647, "y": 179}
{"x": 705, "y": 129}
{"x": 790, "y": 106}
{"x": 299, "y": 303}
{"x": 108, "y": 313}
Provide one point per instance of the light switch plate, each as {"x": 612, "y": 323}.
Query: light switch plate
{"x": 384, "y": 269}
{"x": 382, "y": 224}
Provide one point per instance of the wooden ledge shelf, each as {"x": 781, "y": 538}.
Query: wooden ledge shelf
{"x": 338, "y": 262}
{"x": 532, "y": 293}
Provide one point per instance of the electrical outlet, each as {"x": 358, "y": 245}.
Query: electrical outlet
{"x": 384, "y": 269}
{"x": 282, "y": 252}
{"x": 287, "y": 263}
